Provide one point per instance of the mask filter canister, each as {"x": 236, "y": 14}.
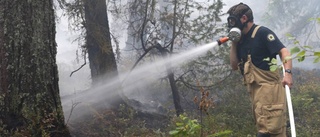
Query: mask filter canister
{"x": 234, "y": 34}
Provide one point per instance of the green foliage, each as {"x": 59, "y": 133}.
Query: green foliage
{"x": 306, "y": 101}
{"x": 273, "y": 63}
{"x": 300, "y": 52}
{"x": 222, "y": 134}
{"x": 317, "y": 59}
{"x": 315, "y": 19}
{"x": 186, "y": 127}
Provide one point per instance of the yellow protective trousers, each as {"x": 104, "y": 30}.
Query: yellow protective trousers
{"x": 268, "y": 98}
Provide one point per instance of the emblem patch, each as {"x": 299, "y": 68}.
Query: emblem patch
{"x": 271, "y": 37}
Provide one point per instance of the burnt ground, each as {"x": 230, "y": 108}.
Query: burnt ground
{"x": 117, "y": 122}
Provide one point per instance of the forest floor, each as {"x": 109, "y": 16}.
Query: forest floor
{"x": 121, "y": 122}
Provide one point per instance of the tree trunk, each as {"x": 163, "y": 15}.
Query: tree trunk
{"x": 175, "y": 92}
{"x": 174, "y": 89}
{"x": 98, "y": 43}
{"x": 29, "y": 91}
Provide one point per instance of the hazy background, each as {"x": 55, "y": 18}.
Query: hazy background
{"x": 67, "y": 49}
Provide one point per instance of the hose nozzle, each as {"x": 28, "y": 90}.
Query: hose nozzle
{"x": 234, "y": 35}
{"x": 222, "y": 40}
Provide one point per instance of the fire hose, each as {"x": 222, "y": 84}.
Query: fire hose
{"x": 290, "y": 109}
{"x": 235, "y": 35}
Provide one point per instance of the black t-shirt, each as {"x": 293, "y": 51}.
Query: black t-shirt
{"x": 264, "y": 45}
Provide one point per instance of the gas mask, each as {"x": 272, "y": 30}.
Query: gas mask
{"x": 234, "y": 19}
{"x": 234, "y": 22}
{"x": 235, "y": 27}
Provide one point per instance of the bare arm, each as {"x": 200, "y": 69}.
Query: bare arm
{"x": 287, "y": 79}
{"x": 233, "y": 56}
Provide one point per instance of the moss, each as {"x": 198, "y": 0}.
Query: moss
{"x": 31, "y": 99}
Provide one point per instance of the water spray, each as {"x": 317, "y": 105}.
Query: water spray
{"x": 144, "y": 74}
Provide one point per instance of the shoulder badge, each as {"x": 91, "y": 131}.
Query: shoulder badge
{"x": 271, "y": 37}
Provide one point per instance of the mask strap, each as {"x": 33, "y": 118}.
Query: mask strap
{"x": 245, "y": 23}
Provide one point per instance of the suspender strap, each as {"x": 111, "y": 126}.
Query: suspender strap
{"x": 255, "y": 31}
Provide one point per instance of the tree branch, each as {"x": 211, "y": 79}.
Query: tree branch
{"x": 85, "y": 62}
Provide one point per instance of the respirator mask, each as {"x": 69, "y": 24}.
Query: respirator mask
{"x": 234, "y": 22}
{"x": 236, "y": 14}
{"x": 235, "y": 26}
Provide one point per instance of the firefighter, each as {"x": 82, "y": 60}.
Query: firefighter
{"x": 252, "y": 55}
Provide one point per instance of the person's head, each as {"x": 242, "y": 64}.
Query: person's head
{"x": 239, "y": 16}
